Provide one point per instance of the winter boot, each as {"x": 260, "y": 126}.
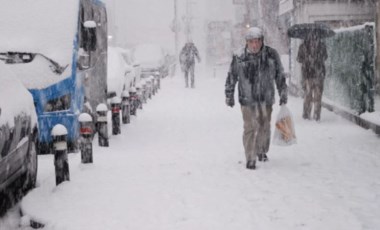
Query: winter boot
{"x": 251, "y": 165}
{"x": 263, "y": 157}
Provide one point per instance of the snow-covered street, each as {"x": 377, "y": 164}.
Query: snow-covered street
{"x": 180, "y": 165}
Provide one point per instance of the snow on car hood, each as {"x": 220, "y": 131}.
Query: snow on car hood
{"x": 34, "y": 75}
{"x": 14, "y": 99}
{"x": 47, "y": 27}
{"x": 39, "y": 26}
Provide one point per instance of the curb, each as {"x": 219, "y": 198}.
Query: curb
{"x": 353, "y": 118}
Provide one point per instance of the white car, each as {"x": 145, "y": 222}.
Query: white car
{"x": 120, "y": 75}
{"x": 135, "y": 66}
{"x": 152, "y": 58}
{"x": 18, "y": 133}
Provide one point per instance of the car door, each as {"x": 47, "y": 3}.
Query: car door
{"x": 14, "y": 142}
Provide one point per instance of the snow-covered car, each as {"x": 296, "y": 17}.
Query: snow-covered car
{"x": 130, "y": 60}
{"x": 120, "y": 75}
{"x": 152, "y": 58}
{"x": 18, "y": 133}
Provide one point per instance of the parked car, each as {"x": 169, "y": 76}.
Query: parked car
{"x": 18, "y": 136}
{"x": 63, "y": 66}
{"x": 135, "y": 66}
{"x": 152, "y": 58}
{"x": 120, "y": 75}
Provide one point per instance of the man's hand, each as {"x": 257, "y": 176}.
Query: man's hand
{"x": 230, "y": 102}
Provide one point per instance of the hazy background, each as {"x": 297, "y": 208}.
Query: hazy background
{"x": 143, "y": 21}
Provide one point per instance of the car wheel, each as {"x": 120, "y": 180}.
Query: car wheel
{"x": 32, "y": 165}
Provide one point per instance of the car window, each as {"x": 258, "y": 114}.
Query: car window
{"x": 25, "y": 127}
{"x": 16, "y": 133}
{"x": 5, "y": 140}
{"x": 11, "y": 137}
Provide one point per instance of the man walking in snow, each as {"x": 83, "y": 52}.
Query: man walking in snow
{"x": 312, "y": 54}
{"x": 187, "y": 61}
{"x": 256, "y": 69}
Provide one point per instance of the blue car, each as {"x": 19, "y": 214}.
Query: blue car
{"x": 58, "y": 50}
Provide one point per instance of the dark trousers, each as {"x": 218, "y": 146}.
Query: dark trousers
{"x": 313, "y": 88}
{"x": 256, "y": 135}
{"x": 189, "y": 69}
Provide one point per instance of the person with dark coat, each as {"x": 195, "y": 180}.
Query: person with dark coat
{"x": 187, "y": 61}
{"x": 256, "y": 69}
{"x": 312, "y": 54}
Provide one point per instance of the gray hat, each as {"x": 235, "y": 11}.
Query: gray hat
{"x": 254, "y": 32}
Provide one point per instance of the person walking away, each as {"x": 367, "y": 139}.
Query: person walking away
{"x": 312, "y": 54}
{"x": 187, "y": 61}
{"x": 256, "y": 69}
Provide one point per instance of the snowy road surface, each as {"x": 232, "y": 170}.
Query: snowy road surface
{"x": 180, "y": 166}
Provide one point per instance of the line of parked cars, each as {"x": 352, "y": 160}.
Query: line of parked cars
{"x": 154, "y": 58}
{"x": 136, "y": 73}
{"x": 133, "y": 73}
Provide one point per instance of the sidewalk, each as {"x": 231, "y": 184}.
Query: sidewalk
{"x": 365, "y": 120}
{"x": 180, "y": 166}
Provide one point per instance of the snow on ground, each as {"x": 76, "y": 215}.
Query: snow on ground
{"x": 180, "y": 165}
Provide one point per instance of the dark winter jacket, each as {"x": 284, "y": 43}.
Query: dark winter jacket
{"x": 188, "y": 54}
{"x": 312, "y": 54}
{"x": 256, "y": 75}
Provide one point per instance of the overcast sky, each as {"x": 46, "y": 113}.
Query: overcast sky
{"x": 140, "y": 21}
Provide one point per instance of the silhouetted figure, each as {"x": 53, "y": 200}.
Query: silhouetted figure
{"x": 187, "y": 61}
{"x": 312, "y": 54}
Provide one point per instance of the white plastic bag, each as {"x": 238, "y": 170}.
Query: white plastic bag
{"x": 284, "y": 132}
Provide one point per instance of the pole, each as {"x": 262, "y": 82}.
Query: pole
{"x": 248, "y": 17}
{"x": 377, "y": 28}
{"x": 176, "y": 29}
{"x": 86, "y": 124}
{"x": 125, "y": 107}
{"x": 115, "y": 108}
{"x": 61, "y": 163}
{"x": 101, "y": 125}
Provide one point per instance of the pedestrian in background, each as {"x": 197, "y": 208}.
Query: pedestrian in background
{"x": 256, "y": 69}
{"x": 312, "y": 54}
{"x": 187, "y": 61}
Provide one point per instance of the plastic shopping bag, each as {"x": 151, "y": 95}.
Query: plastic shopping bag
{"x": 284, "y": 133}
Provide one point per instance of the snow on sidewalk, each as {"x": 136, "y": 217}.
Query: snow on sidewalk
{"x": 180, "y": 165}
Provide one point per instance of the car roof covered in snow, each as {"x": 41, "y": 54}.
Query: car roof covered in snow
{"x": 47, "y": 27}
{"x": 15, "y": 99}
{"x": 39, "y": 26}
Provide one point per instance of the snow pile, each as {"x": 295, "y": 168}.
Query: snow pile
{"x": 34, "y": 75}
{"x": 15, "y": 100}
{"x": 39, "y": 26}
{"x": 47, "y": 27}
